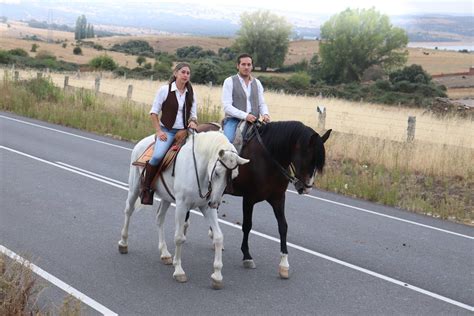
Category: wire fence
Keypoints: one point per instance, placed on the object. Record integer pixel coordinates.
(387, 122)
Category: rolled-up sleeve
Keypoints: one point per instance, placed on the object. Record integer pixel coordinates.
(194, 107)
(261, 101)
(160, 97)
(229, 109)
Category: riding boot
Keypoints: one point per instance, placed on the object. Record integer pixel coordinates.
(146, 194)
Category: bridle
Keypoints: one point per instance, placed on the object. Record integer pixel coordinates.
(293, 179)
(209, 187)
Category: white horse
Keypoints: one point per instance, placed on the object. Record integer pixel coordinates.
(203, 167)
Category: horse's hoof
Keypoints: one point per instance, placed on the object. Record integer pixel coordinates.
(217, 285)
(181, 278)
(123, 249)
(249, 264)
(284, 272)
(167, 260)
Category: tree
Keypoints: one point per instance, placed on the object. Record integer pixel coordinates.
(265, 36)
(77, 50)
(103, 62)
(354, 40)
(83, 29)
(140, 60)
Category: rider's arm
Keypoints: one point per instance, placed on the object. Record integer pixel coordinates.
(229, 109)
(263, 106)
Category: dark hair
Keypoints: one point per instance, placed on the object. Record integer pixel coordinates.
(243, 56)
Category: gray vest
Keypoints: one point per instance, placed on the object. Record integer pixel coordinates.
(239, 97)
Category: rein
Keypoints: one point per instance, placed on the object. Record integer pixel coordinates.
(288, 176)
(209, 188)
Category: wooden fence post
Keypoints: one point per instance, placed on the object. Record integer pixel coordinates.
(129, 91)
(66, 81)
(322, 117)
(411, 129)
(97, 84)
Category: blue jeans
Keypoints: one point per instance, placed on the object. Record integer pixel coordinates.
(161, 147)
(230, 125)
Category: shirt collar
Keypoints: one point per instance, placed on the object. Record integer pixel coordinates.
(174, 87)
(242, 79)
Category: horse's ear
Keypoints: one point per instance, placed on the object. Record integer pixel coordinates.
(326, 135)
(242, 161)
(221, 153)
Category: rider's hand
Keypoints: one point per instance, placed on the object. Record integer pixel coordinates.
(192, 124)
(251, 118)
(266, 118)
(161, 136)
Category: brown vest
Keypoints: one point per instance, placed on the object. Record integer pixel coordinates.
(169, 109)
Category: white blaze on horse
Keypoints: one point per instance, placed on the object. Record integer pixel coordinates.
(206, 162)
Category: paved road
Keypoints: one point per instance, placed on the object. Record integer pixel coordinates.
(62, 198)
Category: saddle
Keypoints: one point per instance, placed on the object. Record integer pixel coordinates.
(170, 156)
(244, 133)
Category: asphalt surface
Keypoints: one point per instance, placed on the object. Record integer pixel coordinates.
(62, 197)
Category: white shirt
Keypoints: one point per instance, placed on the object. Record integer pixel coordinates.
(230, 110)
(161, 96)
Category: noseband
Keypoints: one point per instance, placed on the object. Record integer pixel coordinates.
(209, 188)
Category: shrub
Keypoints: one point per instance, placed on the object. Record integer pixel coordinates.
(205, 71)
(383, 85)
(77, 50)
(18, 52)
(34, 47)
(45, 54)
(273, 82)
(135, 47)
(5, 57)
(64, 45)
(103, 62)
(299, 81)
(162, 70)
(413, 73)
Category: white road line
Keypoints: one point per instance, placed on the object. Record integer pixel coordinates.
(92, 173)
(63, 132)
(57, 282)
(306, 250)
(309, 196)
(384, 215)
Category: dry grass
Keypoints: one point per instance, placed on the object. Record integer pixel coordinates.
(461, 93)
(358, 118)
(19, 289)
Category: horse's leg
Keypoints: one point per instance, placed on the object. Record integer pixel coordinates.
(186, 222)
(179, 239)
(247, 208)
(165, 256)
(278, 205)
(129, 207)
(218, 241)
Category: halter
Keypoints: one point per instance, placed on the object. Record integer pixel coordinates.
(209, 188)
(293, 179)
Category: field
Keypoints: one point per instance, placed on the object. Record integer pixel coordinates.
(436, 62)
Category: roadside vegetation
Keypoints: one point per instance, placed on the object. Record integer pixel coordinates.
(21, 289)
(432, 179)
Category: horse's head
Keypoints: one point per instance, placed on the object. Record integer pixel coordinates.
(222, 172)
(308, 157)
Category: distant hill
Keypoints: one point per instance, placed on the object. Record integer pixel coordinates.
(222, 20)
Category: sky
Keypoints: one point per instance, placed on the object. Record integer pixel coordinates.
(393, 7)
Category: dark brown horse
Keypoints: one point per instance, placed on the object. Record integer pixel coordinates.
(277, 148)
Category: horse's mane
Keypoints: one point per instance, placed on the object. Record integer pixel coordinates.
(209, 143)
(279, 137)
